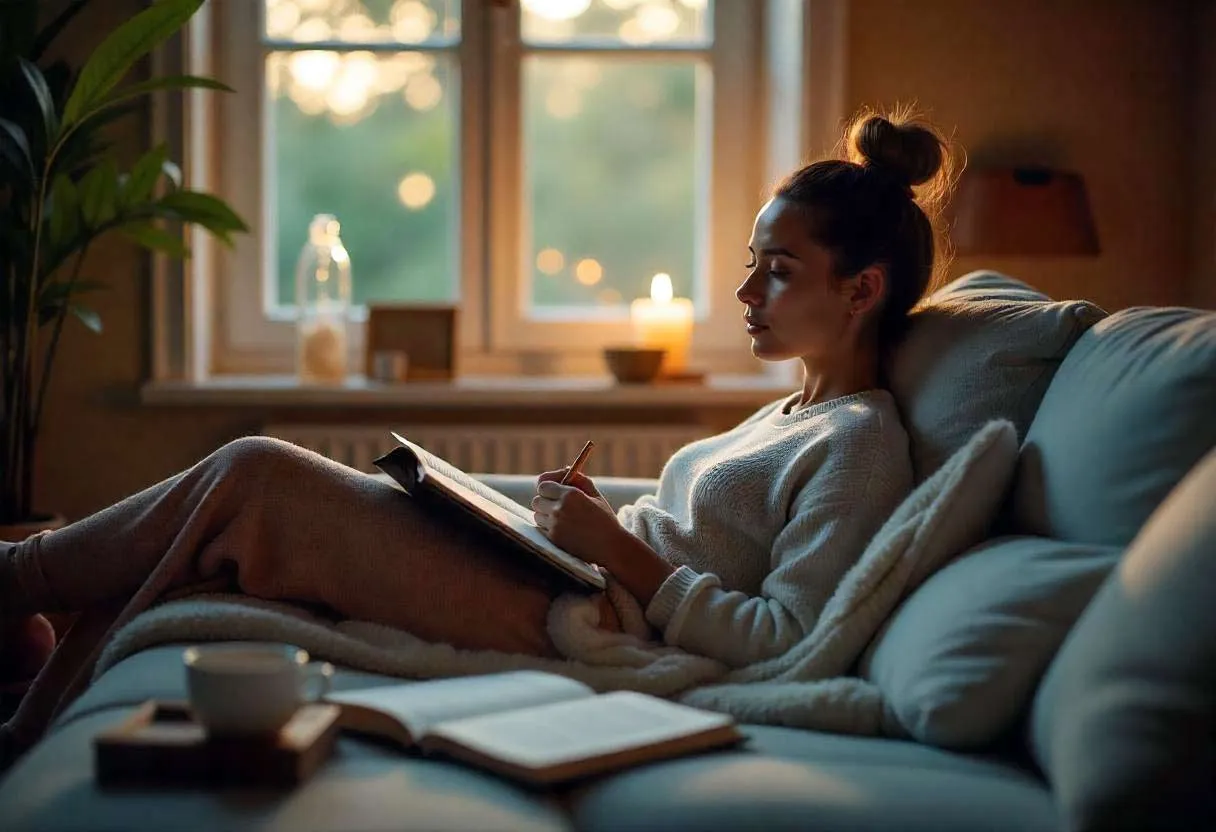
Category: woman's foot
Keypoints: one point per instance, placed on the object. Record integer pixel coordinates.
(25, 646)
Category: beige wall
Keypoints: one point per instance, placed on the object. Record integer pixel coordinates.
(1203, 127)
(1097, 86)
(1100, 86)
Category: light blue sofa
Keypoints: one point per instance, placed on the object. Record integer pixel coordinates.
(1092, 707)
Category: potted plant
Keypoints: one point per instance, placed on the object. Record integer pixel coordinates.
(61, 188)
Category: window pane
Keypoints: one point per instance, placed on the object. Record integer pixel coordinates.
(362, 21)
(370, 139)
(631, 22)
(616, 176)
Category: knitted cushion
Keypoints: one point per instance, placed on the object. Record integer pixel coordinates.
(983, 347)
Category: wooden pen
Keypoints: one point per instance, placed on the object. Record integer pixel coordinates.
(577, 466)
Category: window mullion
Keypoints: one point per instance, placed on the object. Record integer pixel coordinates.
(506, 223)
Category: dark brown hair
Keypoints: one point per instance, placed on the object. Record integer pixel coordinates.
(879, 202)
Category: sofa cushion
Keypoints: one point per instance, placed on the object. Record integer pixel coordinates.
(959, 661)
(1125, 720)
(782, 778)
(983, 347)
(1130, 411)
(366, 785)
(804, 780)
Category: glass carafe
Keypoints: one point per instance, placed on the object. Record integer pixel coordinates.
(323, 299)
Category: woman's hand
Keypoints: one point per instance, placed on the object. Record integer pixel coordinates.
(580, 481)
(578, 519)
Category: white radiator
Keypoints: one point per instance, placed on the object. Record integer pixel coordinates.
(620, 450)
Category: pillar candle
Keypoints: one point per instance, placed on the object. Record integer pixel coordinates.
(663, 322)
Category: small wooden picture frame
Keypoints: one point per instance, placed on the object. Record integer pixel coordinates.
(426, 333)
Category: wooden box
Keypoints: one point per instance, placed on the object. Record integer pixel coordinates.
(160, 744)
(425, 333)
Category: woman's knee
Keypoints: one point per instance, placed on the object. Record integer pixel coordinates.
(250, 454)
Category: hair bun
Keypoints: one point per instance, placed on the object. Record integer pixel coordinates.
(910, 152)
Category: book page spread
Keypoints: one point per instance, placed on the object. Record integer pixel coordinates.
(567, 732)
(418, 706)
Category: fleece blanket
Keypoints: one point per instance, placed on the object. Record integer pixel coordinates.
(807, 687)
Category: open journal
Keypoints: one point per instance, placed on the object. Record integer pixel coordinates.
(429, 478)
(539, 728)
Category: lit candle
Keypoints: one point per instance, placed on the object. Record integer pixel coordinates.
(663, 322)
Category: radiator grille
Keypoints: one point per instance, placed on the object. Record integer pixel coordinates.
(620, 450)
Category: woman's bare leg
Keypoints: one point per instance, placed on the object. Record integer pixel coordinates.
(285, 524)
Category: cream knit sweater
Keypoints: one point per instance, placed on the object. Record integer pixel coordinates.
(764, 520)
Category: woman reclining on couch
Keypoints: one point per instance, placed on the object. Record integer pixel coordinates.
(733, 558)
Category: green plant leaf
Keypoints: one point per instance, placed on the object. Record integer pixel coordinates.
(42, 95)
(99, 193)
(55, 294)
(87, 316)
(144, 175)
(64, 210)
(208, 211)
(52, 30)
(15, 149)
(167, 82)
(124, 46)
(157, 239)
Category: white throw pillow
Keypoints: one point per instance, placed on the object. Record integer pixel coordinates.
(959, 661)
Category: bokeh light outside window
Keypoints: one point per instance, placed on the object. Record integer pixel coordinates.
(364, 122)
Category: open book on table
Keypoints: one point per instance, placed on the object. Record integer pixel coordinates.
(429, 478)
(536, 727)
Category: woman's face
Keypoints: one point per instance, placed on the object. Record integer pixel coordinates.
(794, 308)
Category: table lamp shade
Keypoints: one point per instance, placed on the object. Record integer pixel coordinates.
(1022, 212)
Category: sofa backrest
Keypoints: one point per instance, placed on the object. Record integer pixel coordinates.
(984, 347)
(1130, 411)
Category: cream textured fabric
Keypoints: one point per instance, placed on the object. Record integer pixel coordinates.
(765, 519)
(805, 687)
(984, 347)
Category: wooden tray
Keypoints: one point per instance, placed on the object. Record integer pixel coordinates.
(160, 744)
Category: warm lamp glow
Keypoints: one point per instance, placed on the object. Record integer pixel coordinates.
(1023, 212)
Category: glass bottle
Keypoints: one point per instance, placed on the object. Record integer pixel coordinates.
(323, 298)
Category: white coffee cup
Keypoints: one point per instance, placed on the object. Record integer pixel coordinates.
(241, 688)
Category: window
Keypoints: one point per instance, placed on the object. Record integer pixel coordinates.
(534, 161)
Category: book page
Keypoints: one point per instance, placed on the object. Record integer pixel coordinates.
(553, 735)
(524, 529)
(437, 464)
(420, 705)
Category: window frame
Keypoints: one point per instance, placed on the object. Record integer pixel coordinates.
(788, 85)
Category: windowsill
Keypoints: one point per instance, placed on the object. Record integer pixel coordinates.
(226, 391)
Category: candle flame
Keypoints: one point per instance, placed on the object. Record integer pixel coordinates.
(660, 288)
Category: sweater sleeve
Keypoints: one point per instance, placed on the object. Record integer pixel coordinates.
(832, 519)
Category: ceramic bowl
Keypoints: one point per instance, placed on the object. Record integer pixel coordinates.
(634, 365)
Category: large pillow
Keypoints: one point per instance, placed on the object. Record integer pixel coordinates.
(1130, 411)
(981, 348)
(958, 663)
(1124, 724)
